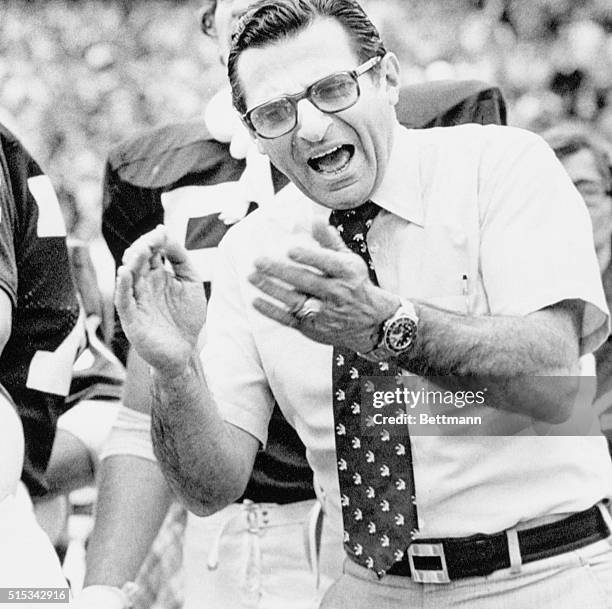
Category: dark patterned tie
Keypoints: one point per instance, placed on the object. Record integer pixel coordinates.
(375, 469)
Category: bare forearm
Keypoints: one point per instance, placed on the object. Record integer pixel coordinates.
(506, 353)
(460, 345)
(206, 461)
(133, 500)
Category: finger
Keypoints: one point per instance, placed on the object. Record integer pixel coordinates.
(298, 277)
(330, 263)
(124, 295)
(288, 296)
(177, 255)
(306, 326)
(137, 258)
(328, 237)
(154, 240)
(272, 311)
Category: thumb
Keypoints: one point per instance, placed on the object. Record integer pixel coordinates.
(124, 295)
(177, 255)
(328, 237)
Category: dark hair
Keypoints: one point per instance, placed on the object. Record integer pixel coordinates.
(567, 139)
(270, 21)
(207, 18)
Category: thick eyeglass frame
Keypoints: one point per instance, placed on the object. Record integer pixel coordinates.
(306, 94)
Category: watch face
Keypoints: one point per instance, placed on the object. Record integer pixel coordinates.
(400, 334)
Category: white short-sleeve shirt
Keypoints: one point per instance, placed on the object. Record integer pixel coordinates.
(476, 220)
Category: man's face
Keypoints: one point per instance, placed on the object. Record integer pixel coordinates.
(584, 173)
(335, 159)
(227, 13)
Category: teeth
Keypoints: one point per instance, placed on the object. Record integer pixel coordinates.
(320, 156)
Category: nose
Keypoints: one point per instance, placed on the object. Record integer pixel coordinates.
(312, 123)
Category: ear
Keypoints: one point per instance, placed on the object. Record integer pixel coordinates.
(390, 73)
(252, 135)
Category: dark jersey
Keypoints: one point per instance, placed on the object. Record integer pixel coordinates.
(36, 363)
(444, 103)
(180, 176)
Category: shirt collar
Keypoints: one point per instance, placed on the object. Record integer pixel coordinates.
(400, 190)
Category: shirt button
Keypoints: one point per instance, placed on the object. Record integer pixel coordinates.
(374, 247)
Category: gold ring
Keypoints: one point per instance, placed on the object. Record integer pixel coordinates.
(296, 308)
(310, 307)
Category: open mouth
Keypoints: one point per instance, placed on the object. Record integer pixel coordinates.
(334, 160)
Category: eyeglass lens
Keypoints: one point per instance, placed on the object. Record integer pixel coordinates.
(331, 94)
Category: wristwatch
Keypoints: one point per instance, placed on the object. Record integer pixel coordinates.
(397, 334)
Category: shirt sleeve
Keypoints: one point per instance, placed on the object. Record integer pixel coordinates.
(536, 241)
(231, 362)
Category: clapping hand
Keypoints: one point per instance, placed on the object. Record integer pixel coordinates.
(330, 281)
(162, 311)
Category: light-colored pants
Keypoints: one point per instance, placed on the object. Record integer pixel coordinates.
(27, 558)
(581, 579)
(255, 556)
(90, 421)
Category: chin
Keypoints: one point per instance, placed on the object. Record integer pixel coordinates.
(338, 203)
(341, 197)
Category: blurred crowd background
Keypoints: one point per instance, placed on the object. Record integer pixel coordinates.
(77, 77)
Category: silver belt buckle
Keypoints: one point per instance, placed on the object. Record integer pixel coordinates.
(428, 576)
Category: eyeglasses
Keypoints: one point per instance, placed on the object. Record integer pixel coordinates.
(330, 94)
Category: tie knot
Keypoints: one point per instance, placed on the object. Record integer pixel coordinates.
(356, 221)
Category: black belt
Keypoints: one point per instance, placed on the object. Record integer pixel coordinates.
(443, 560)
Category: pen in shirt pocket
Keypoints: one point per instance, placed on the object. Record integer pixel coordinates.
(466, 292)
